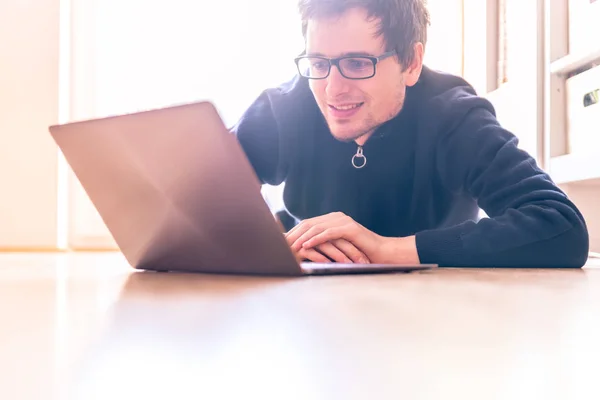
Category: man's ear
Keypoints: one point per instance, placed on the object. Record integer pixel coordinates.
(413, 72)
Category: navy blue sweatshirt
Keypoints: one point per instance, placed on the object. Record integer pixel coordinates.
(428, 172)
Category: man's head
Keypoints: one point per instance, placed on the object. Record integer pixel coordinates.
(397, 29)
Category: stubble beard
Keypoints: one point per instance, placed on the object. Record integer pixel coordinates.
(369, 124)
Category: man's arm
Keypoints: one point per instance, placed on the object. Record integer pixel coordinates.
(270, 127)
(258, 134)
(531, 221)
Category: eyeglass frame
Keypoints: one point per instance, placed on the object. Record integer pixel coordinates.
(336, 62)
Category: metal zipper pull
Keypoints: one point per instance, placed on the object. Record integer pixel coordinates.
(359, 155)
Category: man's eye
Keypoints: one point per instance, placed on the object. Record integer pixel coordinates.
(357, 63)
(319, 65)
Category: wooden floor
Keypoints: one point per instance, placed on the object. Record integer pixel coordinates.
(85, 326)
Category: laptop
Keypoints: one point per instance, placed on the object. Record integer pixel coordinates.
(177, 193)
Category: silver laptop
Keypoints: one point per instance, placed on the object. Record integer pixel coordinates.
(177, 193)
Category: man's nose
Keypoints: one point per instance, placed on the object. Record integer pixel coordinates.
(336, 83)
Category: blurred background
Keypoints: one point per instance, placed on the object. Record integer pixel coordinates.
(65, 60)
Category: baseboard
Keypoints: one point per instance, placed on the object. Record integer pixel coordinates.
(32, 250)
(56, 250)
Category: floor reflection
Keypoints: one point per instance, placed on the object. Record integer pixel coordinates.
(509, 333)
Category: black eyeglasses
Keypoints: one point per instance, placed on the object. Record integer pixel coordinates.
(351, 67)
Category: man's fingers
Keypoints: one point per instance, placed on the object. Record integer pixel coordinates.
(333, 223)
(351, 251)
(328, 235)
(314, 231)
(296, 232)
(340, 251)
(312, 255)
(299, 230)
(333, 253)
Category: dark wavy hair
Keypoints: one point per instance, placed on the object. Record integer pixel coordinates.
(402, 22)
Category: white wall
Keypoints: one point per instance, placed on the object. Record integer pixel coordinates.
(29, 82)
(445, 44)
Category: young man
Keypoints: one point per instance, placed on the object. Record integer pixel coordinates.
(386, 161)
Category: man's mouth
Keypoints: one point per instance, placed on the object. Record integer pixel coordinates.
(345, 107)
(344, 111)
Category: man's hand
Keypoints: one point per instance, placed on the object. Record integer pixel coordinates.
(314, 232)
(339, 251)
(326, 232)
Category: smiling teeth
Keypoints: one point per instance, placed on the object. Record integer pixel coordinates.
(344, 108)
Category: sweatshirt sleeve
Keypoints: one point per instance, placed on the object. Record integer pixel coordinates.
(531, 221)
(257, 132)
(270, 129)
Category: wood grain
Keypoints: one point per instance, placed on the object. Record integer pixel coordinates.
(78, 326)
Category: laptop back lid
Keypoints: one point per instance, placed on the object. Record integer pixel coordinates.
(176, 191)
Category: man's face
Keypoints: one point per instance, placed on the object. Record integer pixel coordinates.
(353, 109)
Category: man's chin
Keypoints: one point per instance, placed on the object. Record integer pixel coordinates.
(346, 135)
